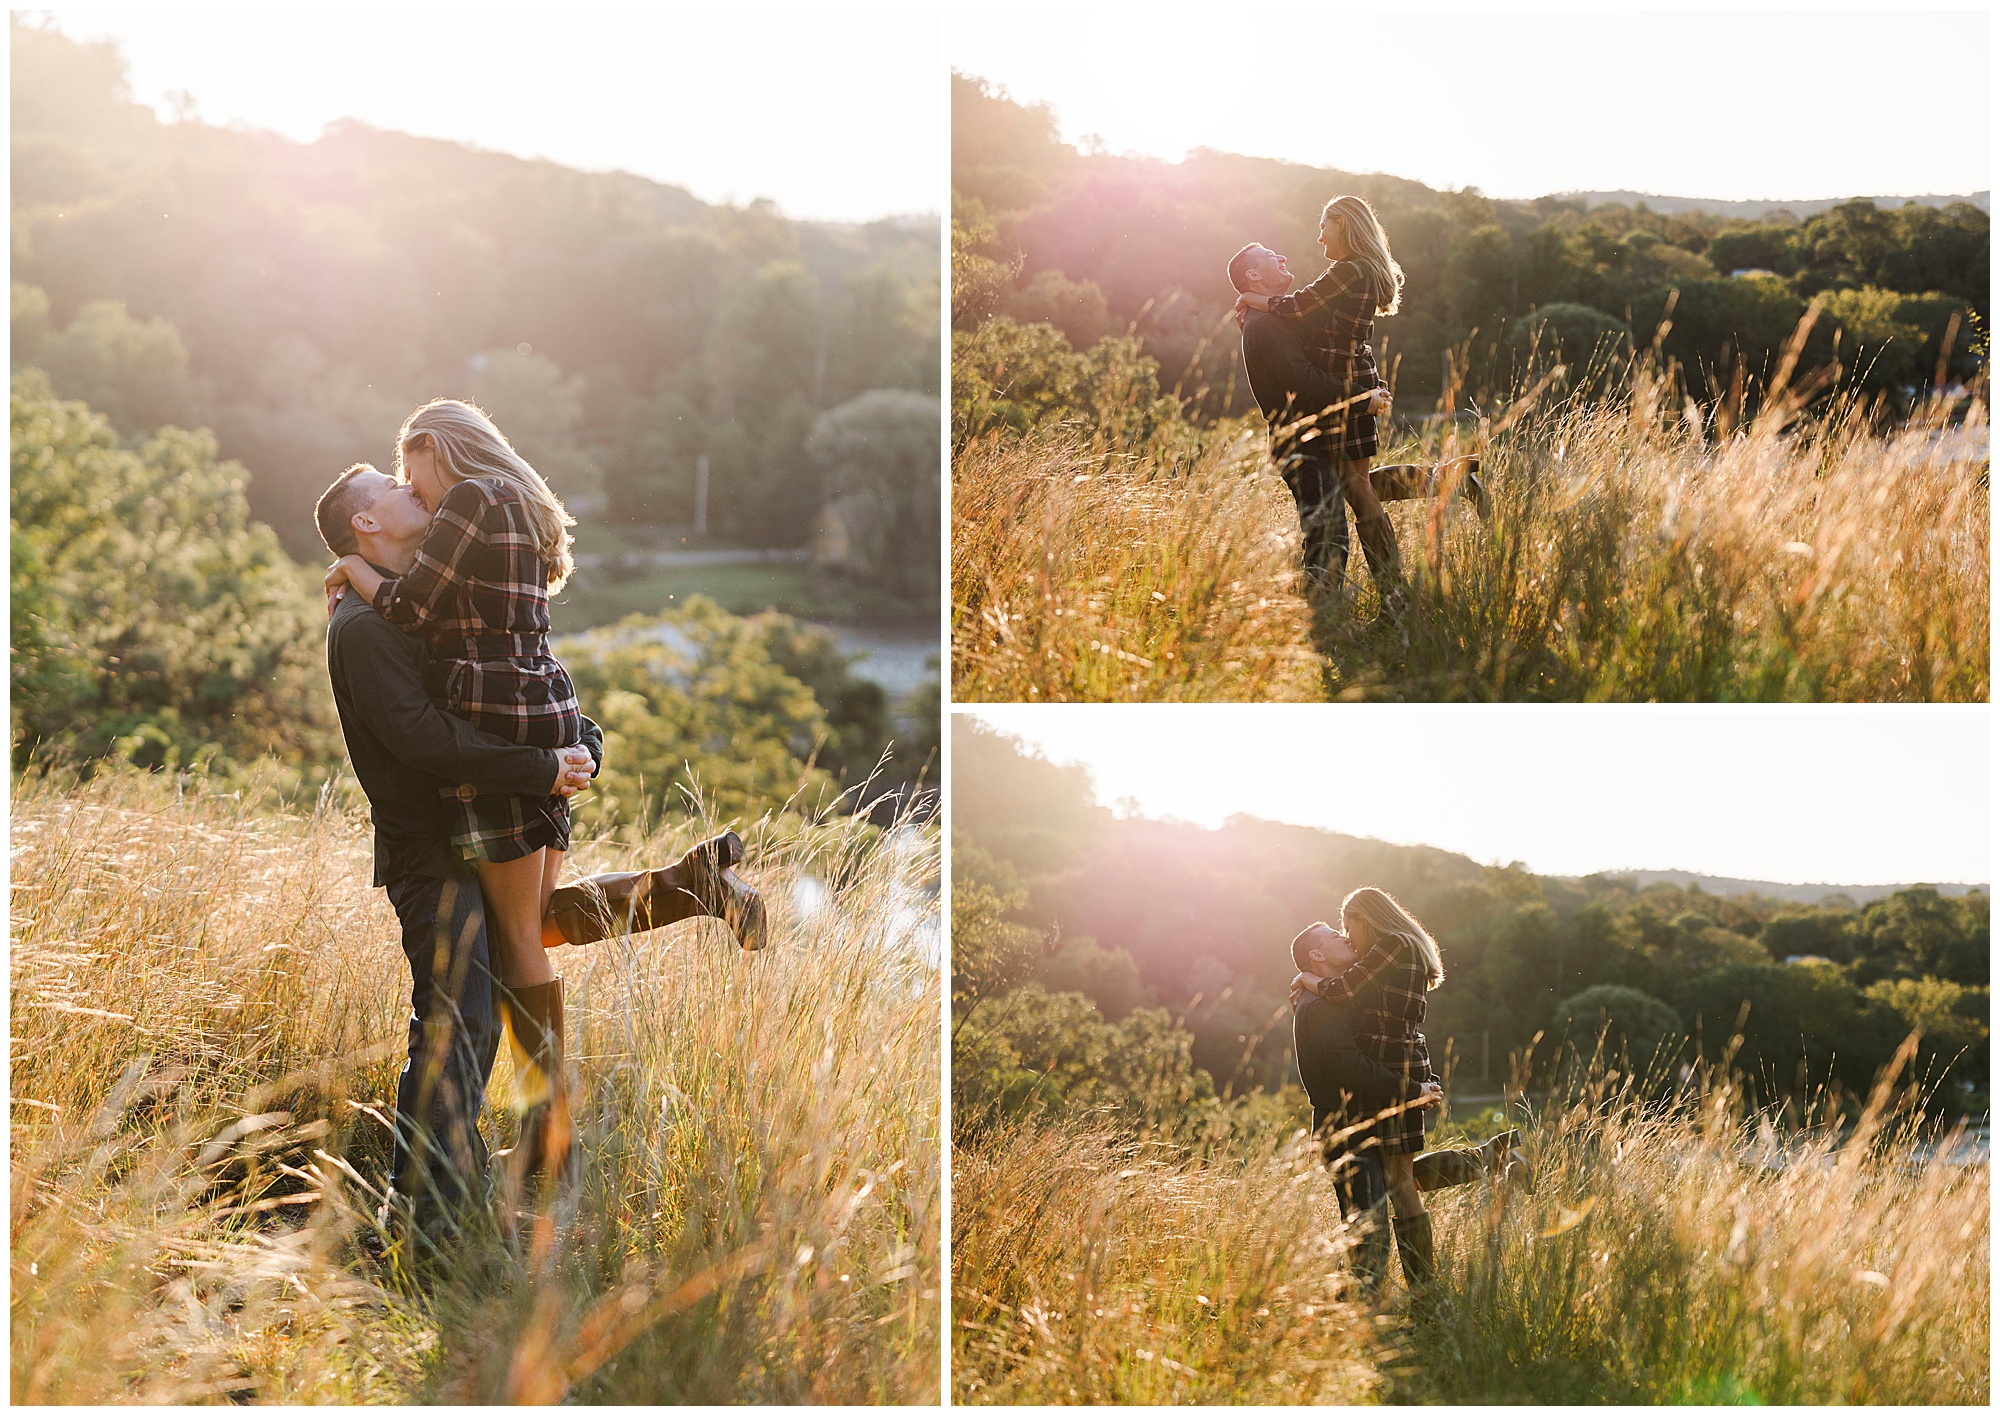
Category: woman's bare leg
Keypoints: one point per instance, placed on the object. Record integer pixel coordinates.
(1415, 1243)
(552, 864)
(1400, 1172)
(1371, 522)
(516, 899)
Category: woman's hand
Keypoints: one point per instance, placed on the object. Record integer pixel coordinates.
(1302, 983)
(337, 581)
(1431, 1095)
(341, 572)
(1246, 301)
(351, 571)
(1379, 402)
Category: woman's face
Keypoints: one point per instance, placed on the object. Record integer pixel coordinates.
(1333, 237)
(421, 468)
(1359, 935)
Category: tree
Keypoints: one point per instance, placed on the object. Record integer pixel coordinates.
(1593, 345)
(541, 413)
(1054, 1053)
(878, 457)
(1076, 307)
(133, 373)
(1637, 1031)
(153, 620)
(694, 704)
(990, 953)
(1107, 977)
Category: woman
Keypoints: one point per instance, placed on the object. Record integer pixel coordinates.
(1396, 965)
(497, 548)
(1337, 316)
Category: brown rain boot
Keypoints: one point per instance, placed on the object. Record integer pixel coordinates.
(1466, 470)
(1444, 1169)
(1385, 564)
(547, 1149)
(1414, 1242)
(701, 883)
(1401, 481)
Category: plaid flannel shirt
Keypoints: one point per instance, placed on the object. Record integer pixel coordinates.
(479, 591)
(1337, 317)
(1396, 1002)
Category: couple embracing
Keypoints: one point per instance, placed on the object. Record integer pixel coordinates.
(466, 736)
(1315, 378)
(1357, 1000)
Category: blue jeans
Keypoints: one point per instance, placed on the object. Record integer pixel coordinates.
(440, 1158)
(1315, 487)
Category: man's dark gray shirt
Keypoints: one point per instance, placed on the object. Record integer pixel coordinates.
(1340, 1079)
(405, 748)
(1287, 386)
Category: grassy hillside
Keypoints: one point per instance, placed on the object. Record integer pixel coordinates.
(1664, 1257)
(208, 1007)
(1639, 549)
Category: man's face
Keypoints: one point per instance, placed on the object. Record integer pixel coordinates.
(392, 511)
(1267, 272)
(1331, 951)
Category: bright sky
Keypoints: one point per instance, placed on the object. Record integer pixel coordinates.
(837, 115)
(1822, 795)
(1734, 104)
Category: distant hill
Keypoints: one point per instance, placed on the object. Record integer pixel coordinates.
(1673, 206)
(1774, 890)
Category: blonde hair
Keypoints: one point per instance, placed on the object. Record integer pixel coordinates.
(1368, 247)
(467, 445)
(1379, 911)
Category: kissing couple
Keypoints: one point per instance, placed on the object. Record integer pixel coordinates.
(466, 736)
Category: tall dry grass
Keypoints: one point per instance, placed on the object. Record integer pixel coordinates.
(208, 1013)
(1692, 1255)
(1640, 548)
(1081, 575)
(1086, 1268)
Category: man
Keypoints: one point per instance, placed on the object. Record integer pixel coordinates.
(405, 750)
(1349, 1090)
(1294, 395)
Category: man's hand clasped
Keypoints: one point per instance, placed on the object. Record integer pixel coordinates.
(577, 771)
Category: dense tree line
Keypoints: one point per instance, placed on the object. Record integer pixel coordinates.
(1095, 247)
(299, 299)
(1128, 917)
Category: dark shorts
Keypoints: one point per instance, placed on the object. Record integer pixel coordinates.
(1402, 1133)
(504, 828)
(1346, 436)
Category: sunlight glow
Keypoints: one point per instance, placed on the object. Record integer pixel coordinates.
(1838, 795)
(1736, 105)
(834, 115)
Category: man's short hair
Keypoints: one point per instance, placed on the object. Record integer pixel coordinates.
(1302, 945)
(335, 511)
(1239, 267)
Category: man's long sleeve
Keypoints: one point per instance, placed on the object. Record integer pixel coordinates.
(1329, 1042)
(1279, 352)
(377, 662)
